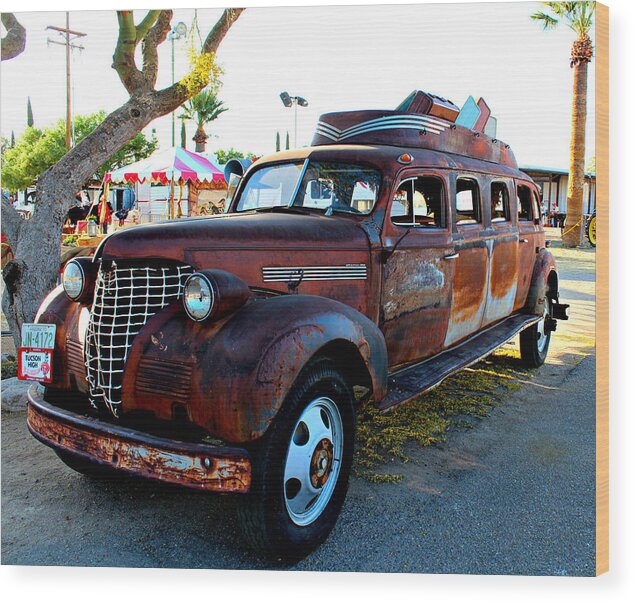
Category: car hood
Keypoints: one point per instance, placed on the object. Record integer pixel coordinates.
(187, 239)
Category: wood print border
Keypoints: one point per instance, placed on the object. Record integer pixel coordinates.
(602, 289)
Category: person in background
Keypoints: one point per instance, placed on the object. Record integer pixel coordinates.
(85, 205)
(76, 213)
(103, 217)
(121, 215)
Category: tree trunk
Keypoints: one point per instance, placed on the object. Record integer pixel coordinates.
(200, 138)
(574, 203)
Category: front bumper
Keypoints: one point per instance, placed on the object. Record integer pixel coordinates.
(194, 465)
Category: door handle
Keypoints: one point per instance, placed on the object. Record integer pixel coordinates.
(523, 239)
(452, 256)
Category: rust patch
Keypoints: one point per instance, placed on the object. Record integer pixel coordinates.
(503, 268)
(413, 280)
(191, 465)
(469, 285)
(415, 301)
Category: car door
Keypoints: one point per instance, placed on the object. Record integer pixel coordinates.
(528, 223)
(417, 276)
(470, 259)
(502, 245)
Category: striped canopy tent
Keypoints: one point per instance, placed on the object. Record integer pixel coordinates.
(173, 165)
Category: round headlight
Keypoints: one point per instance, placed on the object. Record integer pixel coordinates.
(73, 280)
(198, 297)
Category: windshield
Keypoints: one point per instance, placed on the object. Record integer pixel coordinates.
(325, 186)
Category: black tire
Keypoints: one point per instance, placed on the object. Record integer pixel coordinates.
(532, 349)
(90, 469)
(265, 513)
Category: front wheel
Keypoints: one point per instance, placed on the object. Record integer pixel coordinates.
(300, 470)
(535, 340)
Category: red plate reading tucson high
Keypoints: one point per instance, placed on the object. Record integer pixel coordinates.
(35, 357)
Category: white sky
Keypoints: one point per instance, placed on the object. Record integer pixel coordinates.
(338, 58)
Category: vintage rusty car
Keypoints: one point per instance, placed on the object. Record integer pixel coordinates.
(230, 353)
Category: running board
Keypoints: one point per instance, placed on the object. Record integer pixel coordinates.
(409, 382)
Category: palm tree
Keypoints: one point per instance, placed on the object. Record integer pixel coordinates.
(578, 17)
(203, 109)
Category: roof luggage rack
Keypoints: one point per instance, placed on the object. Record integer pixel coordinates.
(423, 121)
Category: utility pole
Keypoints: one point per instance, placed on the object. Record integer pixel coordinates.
(178, 32)
(66, 33)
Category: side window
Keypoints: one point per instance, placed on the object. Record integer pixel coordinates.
(468, 209)
(524, 203)
(420, 202)
(537, 206)
(500, 210)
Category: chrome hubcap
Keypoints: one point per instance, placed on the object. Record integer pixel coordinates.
(313, 461)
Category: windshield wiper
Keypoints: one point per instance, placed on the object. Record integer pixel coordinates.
(332, 209)
(280, 209)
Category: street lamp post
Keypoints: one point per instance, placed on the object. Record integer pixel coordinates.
(179, 31)
(290, 101)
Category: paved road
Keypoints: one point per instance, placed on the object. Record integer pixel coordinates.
(513, 495)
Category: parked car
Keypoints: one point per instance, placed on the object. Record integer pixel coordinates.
(230, 353)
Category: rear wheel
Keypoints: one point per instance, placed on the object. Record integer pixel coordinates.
(535, 340)
(301, 468)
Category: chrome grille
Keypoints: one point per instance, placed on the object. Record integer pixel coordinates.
(126, 297)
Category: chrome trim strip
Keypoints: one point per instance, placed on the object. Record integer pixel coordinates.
(302, 273)
(391, 127)
(396, 119)
(328, 126)
(347, 266)
(430, 124)
(326, 134)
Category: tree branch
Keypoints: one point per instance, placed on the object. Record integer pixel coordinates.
(15, 40)
(11, 223)
(144, 26)
(220, 29)
(123, 59)
(175, 95)
(151, 40)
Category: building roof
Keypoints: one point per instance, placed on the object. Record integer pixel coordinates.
(550, 171)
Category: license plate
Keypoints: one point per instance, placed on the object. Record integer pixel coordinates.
(38, 336)
(35, 364)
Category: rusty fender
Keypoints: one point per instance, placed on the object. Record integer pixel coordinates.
(543, 268)
(239, 370)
